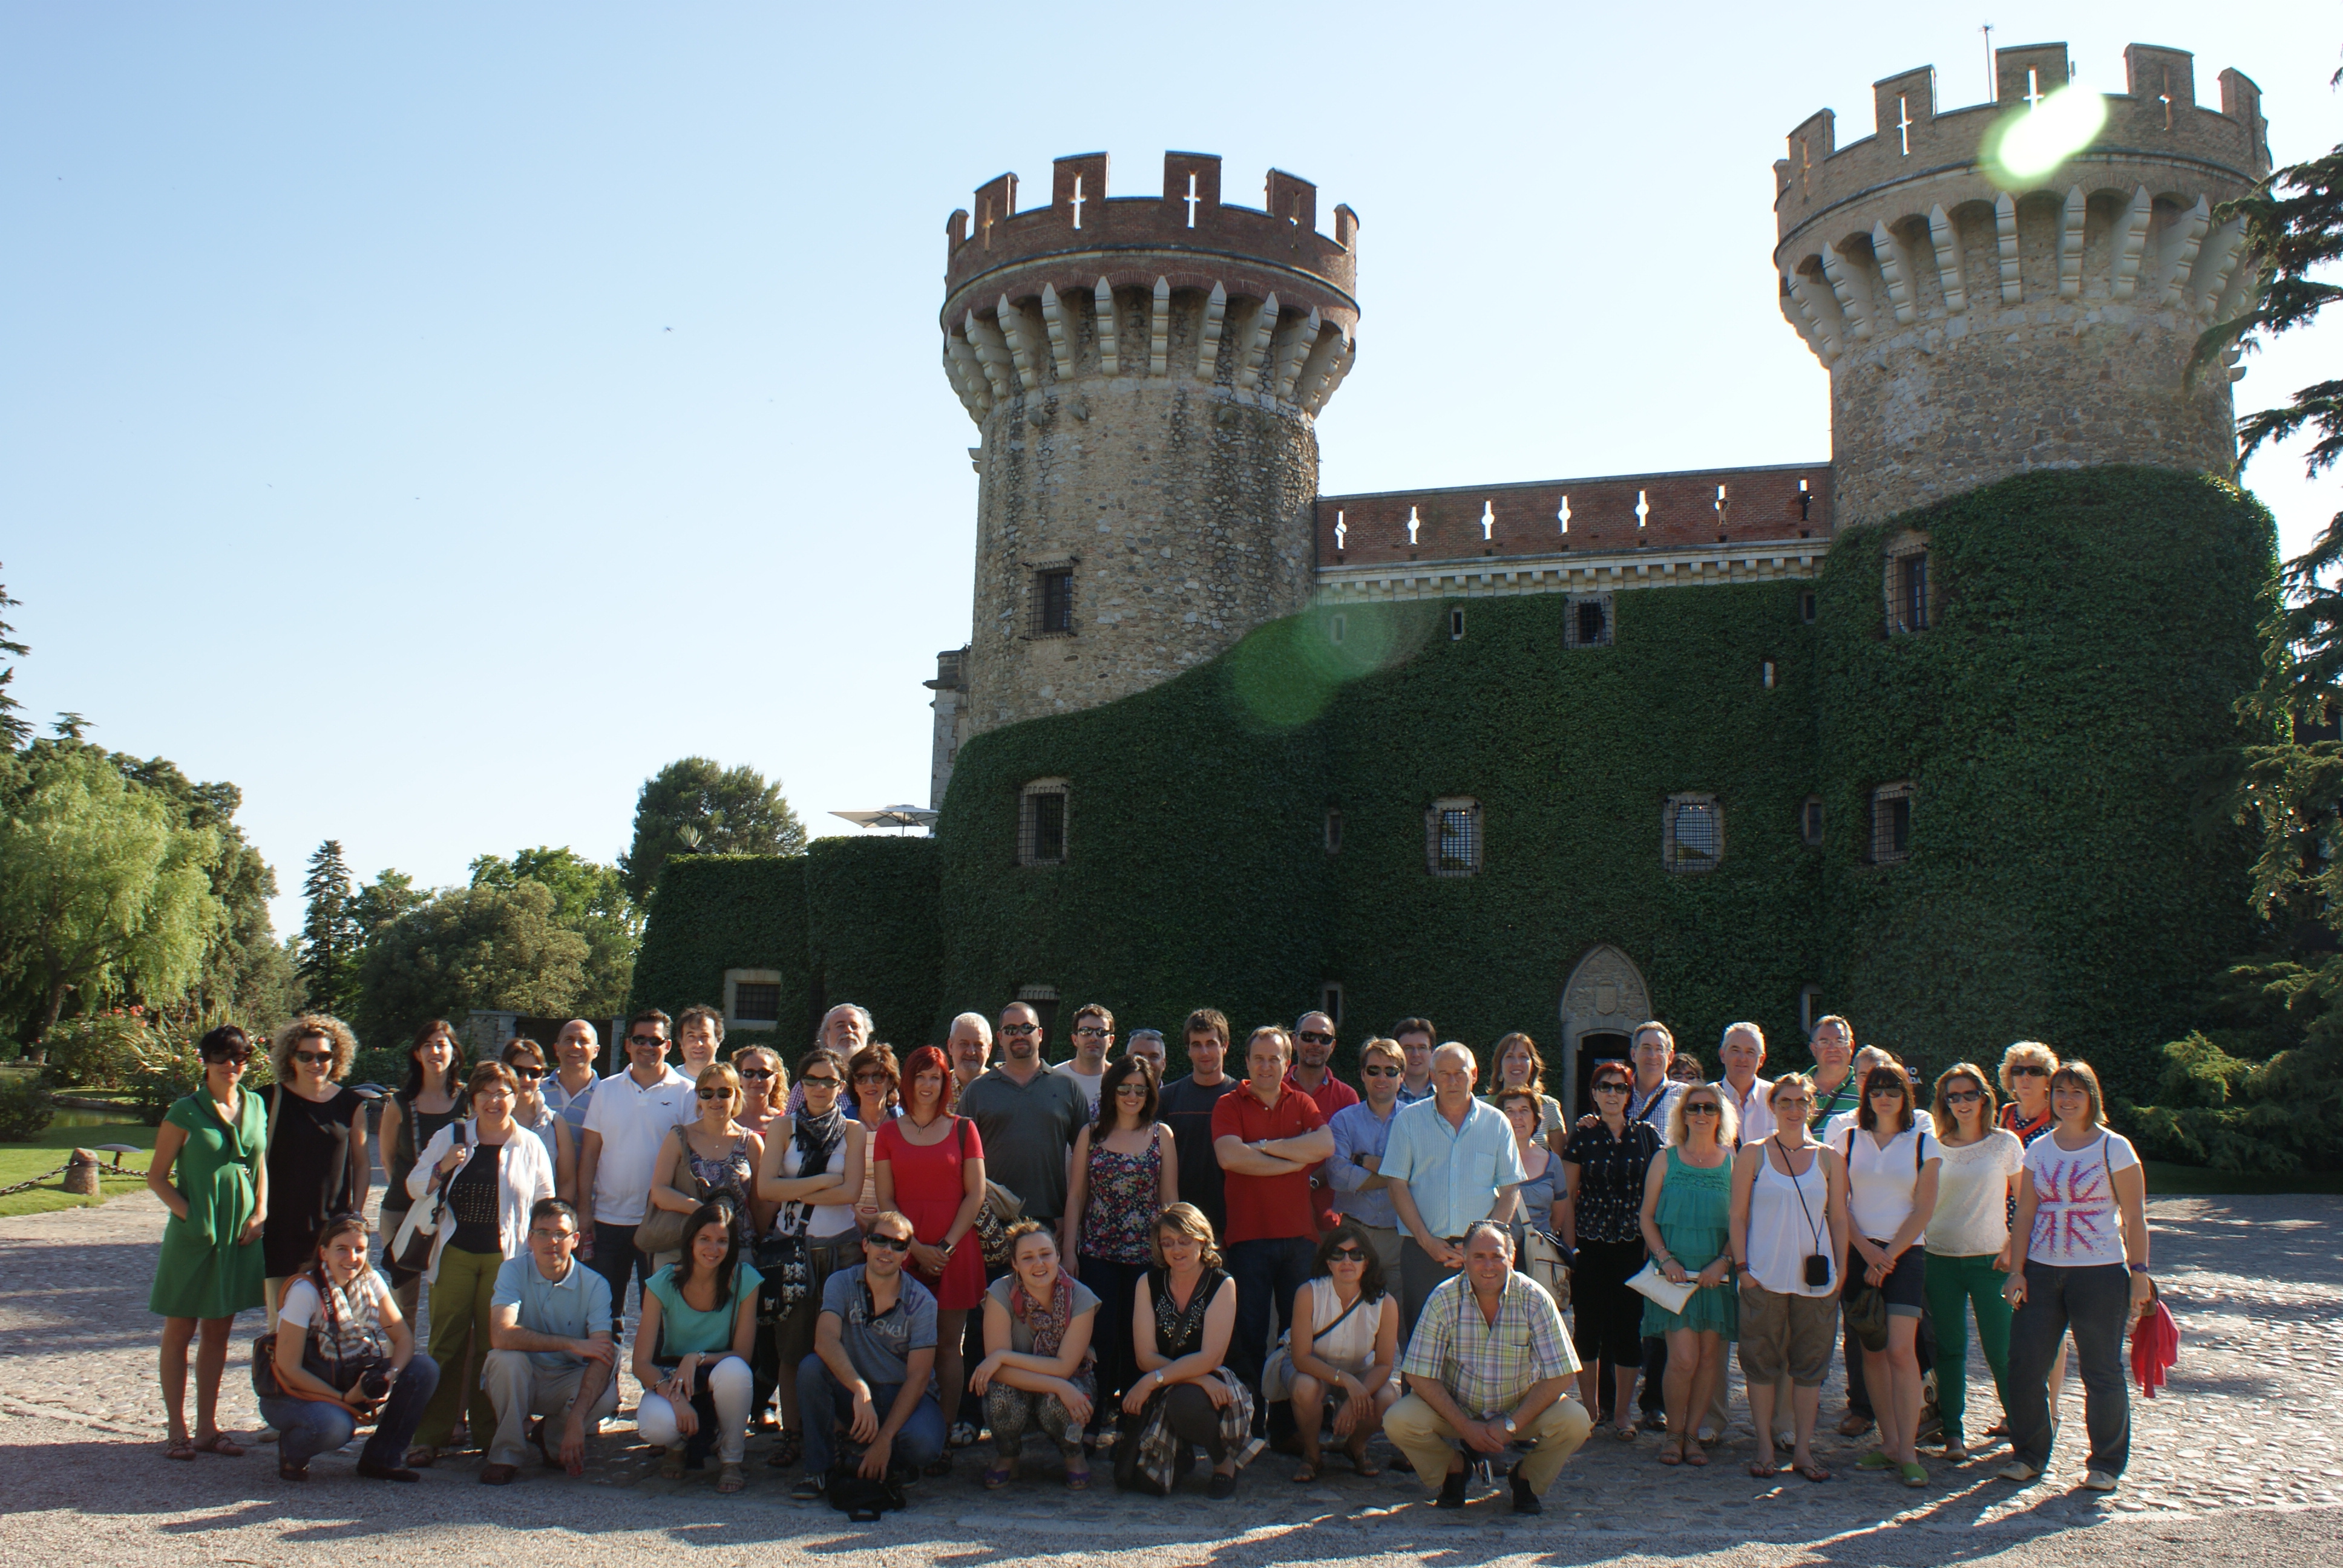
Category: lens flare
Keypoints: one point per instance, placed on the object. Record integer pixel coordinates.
(2031, 143)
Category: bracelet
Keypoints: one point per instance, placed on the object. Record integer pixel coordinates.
(2139, 1268)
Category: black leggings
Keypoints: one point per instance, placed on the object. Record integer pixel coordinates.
(1609, 1316)
(1188, 1410)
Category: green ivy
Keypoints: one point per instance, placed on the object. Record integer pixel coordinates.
(871, 933)
(710, 913)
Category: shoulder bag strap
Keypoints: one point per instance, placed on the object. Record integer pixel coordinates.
(1346, 1311)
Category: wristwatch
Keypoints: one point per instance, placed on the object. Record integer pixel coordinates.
(1508, 1423)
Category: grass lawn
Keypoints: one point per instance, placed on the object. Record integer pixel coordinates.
(22, 1161)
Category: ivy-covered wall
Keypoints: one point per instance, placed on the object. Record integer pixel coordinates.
(871, 935)
(2092, 630)
(710, 913)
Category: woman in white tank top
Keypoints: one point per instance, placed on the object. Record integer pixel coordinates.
(1343, 1346)
(1788, 1232)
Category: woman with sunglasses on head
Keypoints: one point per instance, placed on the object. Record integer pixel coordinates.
(931, 1171)
(1125, 1171)
(1892, 1168)
(1606, 1162)
(531, 1111)
(1789, 1230)
(810, 1173)
(712, 1156)
(431, 1097)
(1343, 1346)
(2082, 1219)
(692, 1351)
(213, 1141)
(1967, 1243)
(1687, 1219)
(317, 1164)
(492, 1172)
(337, 1318)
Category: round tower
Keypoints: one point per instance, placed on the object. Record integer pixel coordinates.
(1146, 373)
(1974, 327)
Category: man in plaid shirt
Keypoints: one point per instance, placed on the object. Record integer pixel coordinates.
(1489, 1364)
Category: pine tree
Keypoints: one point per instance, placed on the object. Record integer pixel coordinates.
(330, 936)
(13, 730)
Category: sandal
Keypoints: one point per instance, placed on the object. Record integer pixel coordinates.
(1957, 1452)
(420, 1457)
(1078, 1474)
(936, 1468)
(1000, 1474)
(963, 1435)
(182, 1447)
(1914, 1474)
(1673, 1454)
(1306, 1474)
(1360, 1462)
(219, 1442)
(787, 1452)
(671, 1464)
(1875, 1459)
(1694, 1456)
(1814, 1472)
(1626, 1431)
(1763, 1470)
(728, 1478)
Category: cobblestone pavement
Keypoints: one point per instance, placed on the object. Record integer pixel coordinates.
(2248, 1422)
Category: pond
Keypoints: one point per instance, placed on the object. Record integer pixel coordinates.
(78, 1115)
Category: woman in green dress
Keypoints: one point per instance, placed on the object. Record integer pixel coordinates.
(1687, 1214)
(211, 1266)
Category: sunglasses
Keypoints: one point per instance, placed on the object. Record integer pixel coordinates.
(755, 1074)
(891, 1243)
(1703, 1108)
(1136, 1091)
(870, 1078)
(644, 1040)
(528, 1074)
(1963, 1096)
(238, 1057)
(824, 1081)
(715, 1094)
(1610, 1086)
(314, 1057)
(1090, 1031)
(2029, 1070)
(1379, 1071)
(1346, 1255)
(1021, 1029)
(1312, 1037)
(1888, 1092)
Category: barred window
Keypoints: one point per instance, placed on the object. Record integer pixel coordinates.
(752, 999)
(1692, 833)
(1891, 823)
(1042, 824)
(1586, 622)
(1452, 838)
(1054, 602)
(1911, 601)
(1810, 819)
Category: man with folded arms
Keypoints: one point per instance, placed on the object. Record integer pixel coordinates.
(1267, 1135)
(552, 1351)
(1489, 1365)
(1451, 1160)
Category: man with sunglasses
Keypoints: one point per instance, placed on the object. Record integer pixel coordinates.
(626, 1124)
(872, 1366)
(1093, 1036)
(1026, 1116)
(1313, 1075)
(1362, 1130)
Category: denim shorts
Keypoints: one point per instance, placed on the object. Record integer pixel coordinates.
(1906, 1286)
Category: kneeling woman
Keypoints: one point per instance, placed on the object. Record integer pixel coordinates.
(1037, 1368)
(339, 1342)
(1343, 1346)
(692, 1347)
(1181, 1324)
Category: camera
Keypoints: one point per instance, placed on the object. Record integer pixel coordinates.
(1817, 1271)
(374, 1384)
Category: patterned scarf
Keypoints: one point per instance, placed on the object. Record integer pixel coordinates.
(816, 1138)
(1048, 1324)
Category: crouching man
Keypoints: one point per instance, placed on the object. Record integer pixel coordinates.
(1489, 1364)
(551, 1352)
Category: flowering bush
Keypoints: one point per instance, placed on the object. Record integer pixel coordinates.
(98, 1050)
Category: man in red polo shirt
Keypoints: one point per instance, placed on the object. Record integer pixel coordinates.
(1267, 1135)
(1313, 1075)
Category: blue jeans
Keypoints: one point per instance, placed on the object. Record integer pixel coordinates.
(1268, 1270)
(308, 1427)
(2096, 1303)
(825, 1404)
(615, 1260)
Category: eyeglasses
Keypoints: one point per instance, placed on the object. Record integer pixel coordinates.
(528, 1074)
(1021, 1029)
(314, 1057)
(1792, 1100)
(1346, 1255)
(1963, 1096)
(1610, 1086)
(644, 1040)
(870, 1078)
(2029, 1070)
(1312, 1037)
(1379, 1072)
(1703, 1108)
(715, 1094)
(824, 1081)
(891, 1244)
(755, 1074)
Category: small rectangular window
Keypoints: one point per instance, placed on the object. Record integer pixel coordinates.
(1042, 824)
(1891, 824)
(1694, 836)
(1329, 1000)
(1913, 589)
(756, 1003)
(1452, 837)
(1456, 624)
(1811, 820)
(1334, 831)
(1053, 599)
(1586, 623)
(1806, 605)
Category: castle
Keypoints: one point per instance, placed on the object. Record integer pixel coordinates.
(1219, 738)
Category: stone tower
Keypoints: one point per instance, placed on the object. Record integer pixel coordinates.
(1974, 331)
(1146, 373)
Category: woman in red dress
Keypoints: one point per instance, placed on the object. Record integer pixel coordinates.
(931, 1171)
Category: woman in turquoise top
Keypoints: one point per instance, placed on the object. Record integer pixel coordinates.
(692, 1347)
(211, 1265)
(1687, 1211)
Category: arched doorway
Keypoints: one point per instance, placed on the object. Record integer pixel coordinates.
(1602, 1001)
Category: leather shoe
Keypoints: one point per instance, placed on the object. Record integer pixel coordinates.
(1452, 1491)
(1526, 1501)
(499, 1475)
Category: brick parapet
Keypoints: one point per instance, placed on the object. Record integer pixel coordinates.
(1680, 510)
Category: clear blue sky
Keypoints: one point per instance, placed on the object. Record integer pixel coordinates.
(433, 418)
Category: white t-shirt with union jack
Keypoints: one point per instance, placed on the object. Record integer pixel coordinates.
(2075, 1222)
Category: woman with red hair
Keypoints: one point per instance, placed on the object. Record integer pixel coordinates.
(931, 1171)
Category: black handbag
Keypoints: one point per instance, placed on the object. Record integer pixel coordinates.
(862, 1498)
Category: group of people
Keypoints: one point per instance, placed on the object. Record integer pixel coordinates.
(889, 1259)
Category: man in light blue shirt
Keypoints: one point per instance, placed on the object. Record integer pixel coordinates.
(553, 1352)
(1450, 1161)
(1361, 1132)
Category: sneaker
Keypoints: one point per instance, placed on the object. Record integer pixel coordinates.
(1526, 1501)
(266, 1434)
(2018, 1470)
(1452, 1491)
(2099, 1480)
(810, 1488)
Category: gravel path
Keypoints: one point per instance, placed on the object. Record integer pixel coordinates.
(2238, 1462)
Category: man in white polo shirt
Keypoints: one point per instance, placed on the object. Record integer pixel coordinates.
(625, 1125)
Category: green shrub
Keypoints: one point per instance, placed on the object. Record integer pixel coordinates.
(100, 1050)
(2280, 1116)
(25, 1108)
